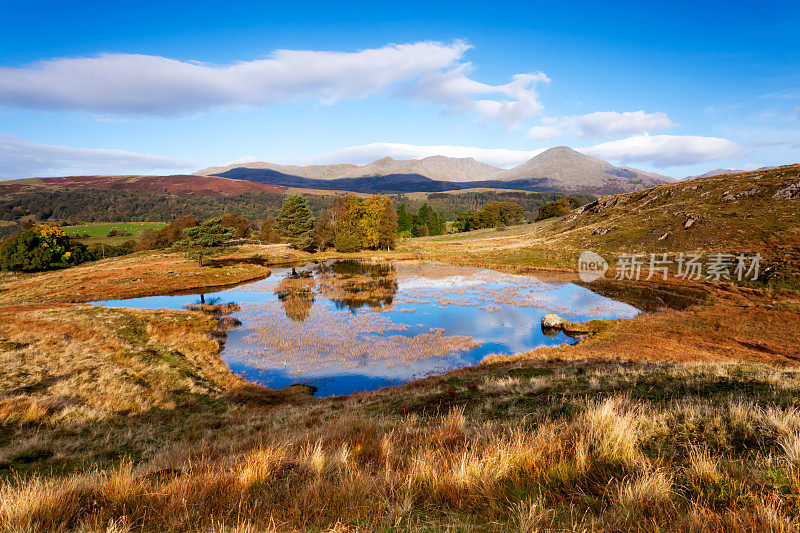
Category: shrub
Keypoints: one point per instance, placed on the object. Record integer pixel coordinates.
(558, 208)
(40, 248)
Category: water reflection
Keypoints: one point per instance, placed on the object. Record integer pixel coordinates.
(355, 284)
(346, 325)
(296, 293)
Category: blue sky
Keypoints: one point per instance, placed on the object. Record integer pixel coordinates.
(679, 88)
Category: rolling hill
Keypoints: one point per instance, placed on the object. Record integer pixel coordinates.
(180, 185)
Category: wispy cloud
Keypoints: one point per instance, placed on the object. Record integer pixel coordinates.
(453, 89)
(22, 158)
(665, 150)
(601, 124)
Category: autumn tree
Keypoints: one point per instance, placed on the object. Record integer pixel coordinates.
(378, 223)
(349, 212)
(502, 214)
(295, 222)
(267, 231)
(558, 208)
(241, 226)
(324, 234)
(166, 236)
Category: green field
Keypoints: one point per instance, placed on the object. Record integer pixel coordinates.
(98, 233)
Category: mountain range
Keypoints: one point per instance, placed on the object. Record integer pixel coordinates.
(559, 169)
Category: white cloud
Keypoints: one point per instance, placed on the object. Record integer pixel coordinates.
(21, 158)
(145, 85)
(601, 124)
(665, 150)
(134, 84)
(515, 101)
(360, 155)
(609, 123)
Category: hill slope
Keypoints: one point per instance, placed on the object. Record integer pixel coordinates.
(188, 184)
(747, 212)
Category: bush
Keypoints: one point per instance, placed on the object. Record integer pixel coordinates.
(166, 236)
(40, 248)
(558, 208)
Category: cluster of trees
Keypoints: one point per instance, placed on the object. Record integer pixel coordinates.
(349, 224)
(426, 221)
(559, 208)
(174, 232)
(450, 205)
(491, 215)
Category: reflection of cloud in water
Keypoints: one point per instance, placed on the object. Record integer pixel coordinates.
(387, 324)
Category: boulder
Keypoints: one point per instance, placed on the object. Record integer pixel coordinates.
(553, 321)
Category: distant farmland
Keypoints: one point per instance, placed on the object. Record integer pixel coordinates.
(98, 233)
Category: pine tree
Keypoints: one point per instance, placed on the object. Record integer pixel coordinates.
(404, 220)
(295, 223)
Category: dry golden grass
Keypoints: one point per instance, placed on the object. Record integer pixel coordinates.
(612, 464)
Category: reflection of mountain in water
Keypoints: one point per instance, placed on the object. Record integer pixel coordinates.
(354, 284)
(296, 293)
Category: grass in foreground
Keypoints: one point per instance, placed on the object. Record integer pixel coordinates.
(577, 447)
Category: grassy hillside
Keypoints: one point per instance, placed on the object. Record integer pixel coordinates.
(748, 212)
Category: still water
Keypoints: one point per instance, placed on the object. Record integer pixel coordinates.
(346, 326)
